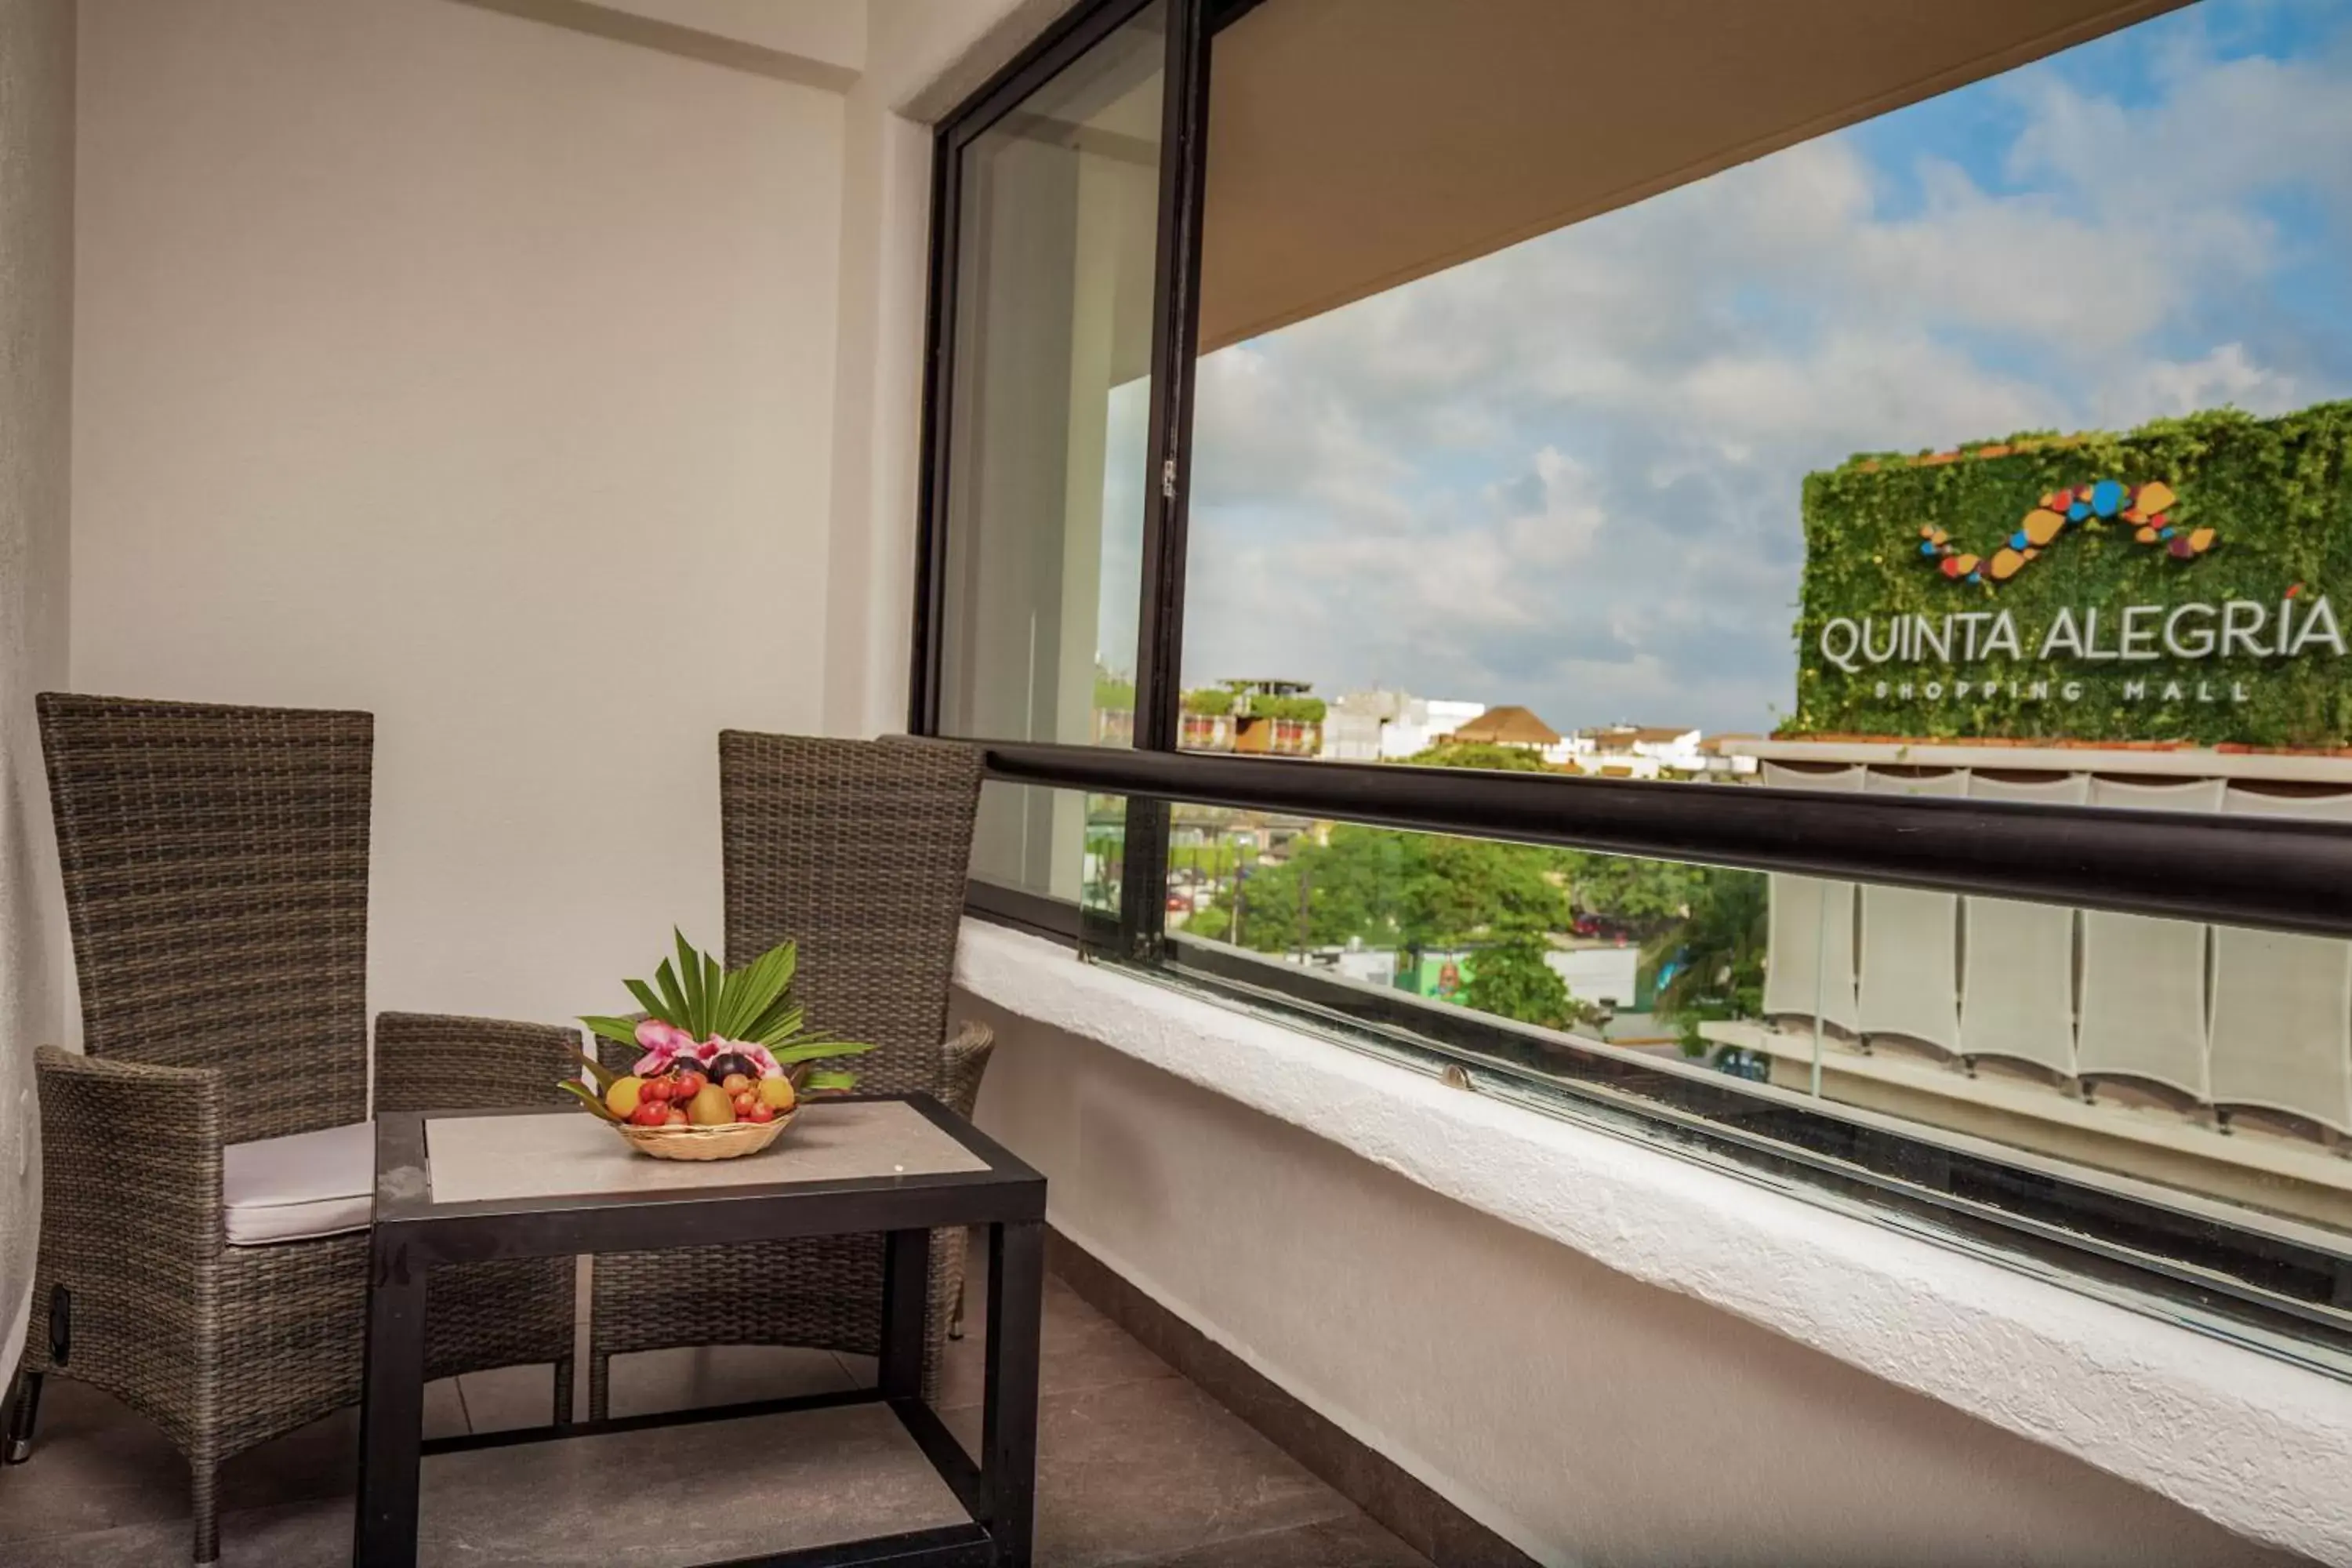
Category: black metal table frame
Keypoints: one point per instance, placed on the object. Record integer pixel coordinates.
(412, 1233)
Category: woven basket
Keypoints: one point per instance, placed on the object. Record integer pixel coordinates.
(725, 1142)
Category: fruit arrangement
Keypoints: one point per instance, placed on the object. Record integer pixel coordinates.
(720, 1049)
(686, 1091)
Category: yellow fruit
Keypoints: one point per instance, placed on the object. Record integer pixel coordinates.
(623, 1099)
(776, 1093)
(711, 1107)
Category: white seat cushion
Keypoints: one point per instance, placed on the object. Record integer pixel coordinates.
(302, 1186)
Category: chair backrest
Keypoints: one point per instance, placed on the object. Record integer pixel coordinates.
(857, 851)
(215, 865)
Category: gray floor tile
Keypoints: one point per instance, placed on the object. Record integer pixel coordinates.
(97, 1465)
(709, 1491)
(1351, 1543)
(507, 1397)
(313, 1535)
(699, 1493)
(1138, 1470)
(652, 1380)
(1079, 1349)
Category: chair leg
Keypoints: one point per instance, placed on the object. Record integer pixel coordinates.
(955, 1318)
(24, 1411)
(599, 1386)
(204, 1487)
(564, 1392)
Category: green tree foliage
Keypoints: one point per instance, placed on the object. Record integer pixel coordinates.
(1717, 954)
(1460, 889)
(1642, 897)
(1419, 892)
(1480, 754)
(1301, 709)
(1113, 692)
(1511, 980)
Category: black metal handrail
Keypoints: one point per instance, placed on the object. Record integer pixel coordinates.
(2282, 873)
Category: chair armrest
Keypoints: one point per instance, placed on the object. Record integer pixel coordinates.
(435, 1061)
(130, 1157)
(963, 1059)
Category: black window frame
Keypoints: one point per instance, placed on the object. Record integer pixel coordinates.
(2289, 1283)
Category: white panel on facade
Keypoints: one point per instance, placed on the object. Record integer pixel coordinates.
(1909, 960)
(2016, 969)
(2144, 979)
(2282, 1003)
(1809, 963)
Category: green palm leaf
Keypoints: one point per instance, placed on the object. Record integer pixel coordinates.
(673, 998)
(621, 1031)
(689, 969)
(654, 1005)
(694, 992)
(754, 990)
(818, 1050)
(777, 1025)
(575, 1087)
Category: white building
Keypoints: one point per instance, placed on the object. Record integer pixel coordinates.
(1634, 751)
(1607, 975)
(1387, 726)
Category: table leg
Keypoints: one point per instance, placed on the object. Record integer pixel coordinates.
(906, 1292)
(1008, 1438)
(392, 1408)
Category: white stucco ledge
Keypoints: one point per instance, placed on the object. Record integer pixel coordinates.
(2260, 1445)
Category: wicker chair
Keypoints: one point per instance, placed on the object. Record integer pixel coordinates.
(215, 866)
(857, 851)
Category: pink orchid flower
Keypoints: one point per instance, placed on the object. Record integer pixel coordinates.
(664, 1043)
(714, 1048)
(758, 1055)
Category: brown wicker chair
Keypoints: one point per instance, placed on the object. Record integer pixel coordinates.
(857, 851)
(215, 866)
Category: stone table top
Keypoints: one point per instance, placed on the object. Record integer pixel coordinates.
(571, 1154)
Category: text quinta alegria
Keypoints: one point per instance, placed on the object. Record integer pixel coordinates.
(2291, 629)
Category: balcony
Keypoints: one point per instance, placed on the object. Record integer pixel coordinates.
(546, 379)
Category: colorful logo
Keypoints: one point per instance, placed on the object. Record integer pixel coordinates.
(2147, 508)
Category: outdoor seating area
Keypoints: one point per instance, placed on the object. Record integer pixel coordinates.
(232, 1291)
(1175, 783)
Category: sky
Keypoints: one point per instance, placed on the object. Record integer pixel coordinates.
(1567, 474)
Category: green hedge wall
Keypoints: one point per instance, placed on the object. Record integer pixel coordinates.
(2278, 492)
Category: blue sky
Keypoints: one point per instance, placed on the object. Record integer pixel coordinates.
(1566, 475)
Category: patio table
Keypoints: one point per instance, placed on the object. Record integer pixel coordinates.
(460, 1186)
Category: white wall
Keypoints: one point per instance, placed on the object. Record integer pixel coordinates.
(37, 100)
(479, 373)
(1588, 1417)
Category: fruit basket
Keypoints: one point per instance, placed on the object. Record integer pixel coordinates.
(705, 1143)
(726, 1065)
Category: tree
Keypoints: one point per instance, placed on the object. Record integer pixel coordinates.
(1645, 896)
(1481, 754)
(1714, 958)
(1356, 883)
(1511, 980)
(1459, 889)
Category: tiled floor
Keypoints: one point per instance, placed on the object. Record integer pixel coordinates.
(1136, 1467)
